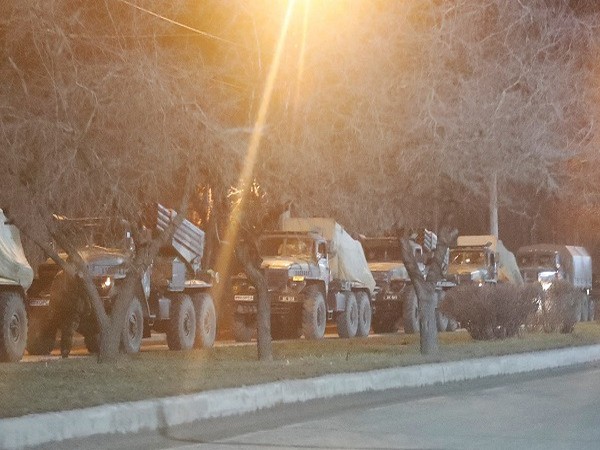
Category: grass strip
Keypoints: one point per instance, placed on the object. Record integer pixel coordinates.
(57, 384)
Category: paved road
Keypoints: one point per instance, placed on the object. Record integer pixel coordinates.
(554, 409)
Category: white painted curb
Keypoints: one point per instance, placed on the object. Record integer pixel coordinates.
(36, 429)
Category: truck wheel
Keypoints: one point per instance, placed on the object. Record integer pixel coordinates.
(244, 329)
(13, 327)
(40, 340)
(347, 320)
(441, 321)
(206, 320)
(410, 312)
(181, 331)
(592, 310)
(133, 329)
(364, 314)
(314, 314)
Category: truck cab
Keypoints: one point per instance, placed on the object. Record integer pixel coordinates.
(392, 280)
(545, 263)
(473, 264)
(291, 262)
(315, 272)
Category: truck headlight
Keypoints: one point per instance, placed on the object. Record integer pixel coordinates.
(105, 286)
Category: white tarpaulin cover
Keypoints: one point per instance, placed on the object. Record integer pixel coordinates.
(14, 268)
(347, 259)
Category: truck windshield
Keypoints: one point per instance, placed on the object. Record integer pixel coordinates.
(382, 254)
(286, 246)
(538, 260)
(100, 232)
(466, 257)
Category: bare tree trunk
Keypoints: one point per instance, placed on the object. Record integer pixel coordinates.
(263, 319)
(425, 288)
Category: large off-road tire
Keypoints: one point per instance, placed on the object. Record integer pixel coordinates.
(244, 328)
(410, 312)
(133, 328)
(40, 340)
(383, 325)
(592, 310)
(206, 320)
(13, 327)
(181, 331)
(314, 314)
(364, 313)
(347, 320)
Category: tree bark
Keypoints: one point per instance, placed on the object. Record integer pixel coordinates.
(263, 318)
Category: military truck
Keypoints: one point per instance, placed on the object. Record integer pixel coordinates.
(480, 260)
(16, 276)
(394, 298)
(315, 272)
(172, 296)
(546, 263)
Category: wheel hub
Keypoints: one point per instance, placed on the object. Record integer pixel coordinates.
(133, 326)
(14, 327)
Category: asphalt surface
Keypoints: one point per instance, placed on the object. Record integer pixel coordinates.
(552, 409)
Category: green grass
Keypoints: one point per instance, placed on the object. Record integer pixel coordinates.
(79, 382)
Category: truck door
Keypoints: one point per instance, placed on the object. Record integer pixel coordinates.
(324, 271)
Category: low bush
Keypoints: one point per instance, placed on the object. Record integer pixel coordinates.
(491, 311)
(559, 308)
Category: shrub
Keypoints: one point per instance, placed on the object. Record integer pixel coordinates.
(559, 308)
(491, 311)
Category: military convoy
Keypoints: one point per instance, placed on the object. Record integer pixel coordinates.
(315, 273)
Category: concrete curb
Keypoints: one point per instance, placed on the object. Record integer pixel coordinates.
(36, 429)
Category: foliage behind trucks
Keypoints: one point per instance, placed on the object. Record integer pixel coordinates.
(546, 263)
(172, 296)
(315, 272)
(482, 259)
(16, 276)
